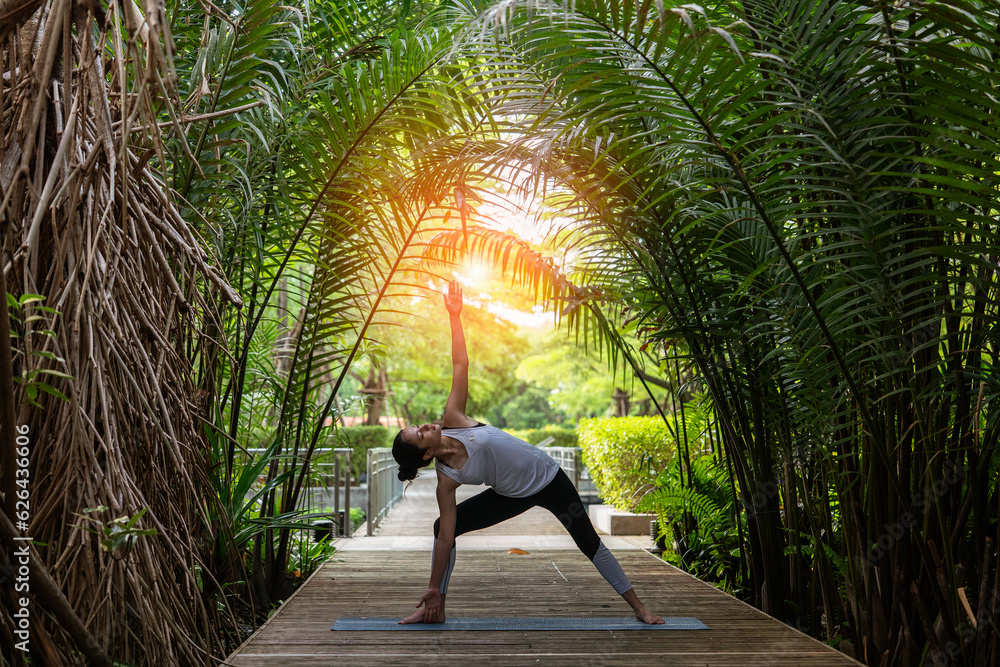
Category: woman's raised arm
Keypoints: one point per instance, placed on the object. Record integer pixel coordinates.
(454, 409)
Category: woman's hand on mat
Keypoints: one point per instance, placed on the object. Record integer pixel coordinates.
(432, 612)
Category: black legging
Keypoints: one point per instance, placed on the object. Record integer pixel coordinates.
(560, 497)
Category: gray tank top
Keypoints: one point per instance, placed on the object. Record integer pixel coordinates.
(513, 467)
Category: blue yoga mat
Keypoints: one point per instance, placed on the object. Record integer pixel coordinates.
(536, 623)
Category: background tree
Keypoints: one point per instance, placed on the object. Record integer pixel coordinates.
(578, 384)
(417, 346)
(527, 408)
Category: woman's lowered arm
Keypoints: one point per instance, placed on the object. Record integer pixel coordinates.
(432, 600)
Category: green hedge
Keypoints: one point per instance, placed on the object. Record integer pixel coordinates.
(624, 455)
(361, 439)
(565, 437)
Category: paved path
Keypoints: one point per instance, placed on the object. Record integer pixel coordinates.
(384, 575)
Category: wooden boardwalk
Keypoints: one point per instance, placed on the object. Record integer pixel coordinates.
(385, 576)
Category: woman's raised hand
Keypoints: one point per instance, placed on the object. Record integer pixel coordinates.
(453, 299)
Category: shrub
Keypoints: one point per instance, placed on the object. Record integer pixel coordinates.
(564, 437)
(360, 439)
(624, 455)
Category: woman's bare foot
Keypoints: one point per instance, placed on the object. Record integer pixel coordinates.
(646, 616)
(641, 613)
(418, 617)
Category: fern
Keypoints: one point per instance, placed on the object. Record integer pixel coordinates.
(671, 504)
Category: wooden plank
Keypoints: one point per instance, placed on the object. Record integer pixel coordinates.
(587, 659)
(491, 582)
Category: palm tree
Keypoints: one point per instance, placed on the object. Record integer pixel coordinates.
(806, 199)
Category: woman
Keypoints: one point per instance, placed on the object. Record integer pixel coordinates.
(520, 476)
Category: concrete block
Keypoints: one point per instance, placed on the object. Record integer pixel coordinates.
(615, 522)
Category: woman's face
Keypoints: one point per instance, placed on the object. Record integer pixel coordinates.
(425, 436)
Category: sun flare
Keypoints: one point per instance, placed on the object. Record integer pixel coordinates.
(475, 274)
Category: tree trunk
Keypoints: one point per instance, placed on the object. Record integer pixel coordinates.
(620, 402)
(376, 391)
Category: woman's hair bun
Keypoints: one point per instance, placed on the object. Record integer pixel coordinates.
(406, 474)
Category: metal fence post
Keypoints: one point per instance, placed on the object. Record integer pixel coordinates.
(384, 487)
(336, 492)
(373, 489)
(347, 496)
(338, 454)
(577, 466)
